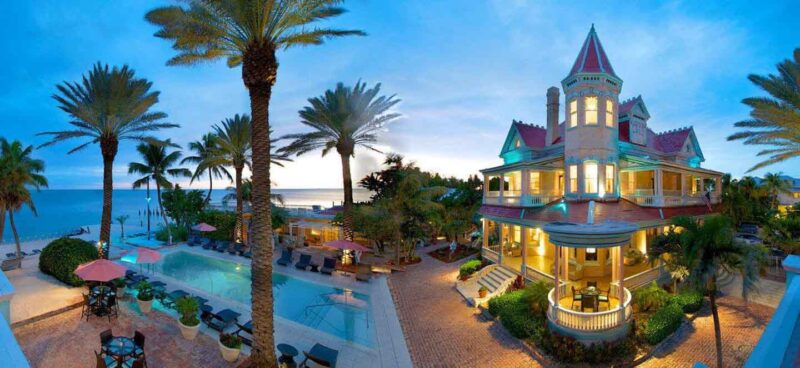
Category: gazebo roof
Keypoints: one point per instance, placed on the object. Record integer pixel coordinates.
(599, 235)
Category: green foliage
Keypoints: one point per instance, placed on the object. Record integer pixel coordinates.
(505, 301)
(62, 256)
(743, 200)
(145, 291)
(535, 296)
(662, 323)
(179, 233)
(187, 307)
(119, 282)
(635, 255)
(468, 268)
(225, 222)
(519, 321)
(651, 297)
(689, 300)
(183, 206)
(568, 350)
(784, 232)
(230, 341)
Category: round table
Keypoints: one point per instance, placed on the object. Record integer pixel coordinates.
(288, 353)
(120, 347)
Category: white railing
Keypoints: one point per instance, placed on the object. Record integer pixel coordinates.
(490, 255)
(541, 199)
(642, 200)
(643, 278)
(668, 200)
(582, 321)
(672, 193)
(643, 192)
(534, 274)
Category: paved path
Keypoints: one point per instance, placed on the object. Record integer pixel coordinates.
(441, 330)
(741, 324)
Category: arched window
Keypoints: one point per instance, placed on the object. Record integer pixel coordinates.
(590, 177)
(609, 113)
(573, 113)
(590, 105)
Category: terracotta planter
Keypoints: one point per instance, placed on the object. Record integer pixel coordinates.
(145, 306)
(482, 293)
(188, 332)
(230, 355)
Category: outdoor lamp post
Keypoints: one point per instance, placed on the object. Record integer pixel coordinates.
(147, 199)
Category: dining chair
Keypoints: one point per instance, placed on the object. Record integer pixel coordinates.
(138, 352)
(101, 361)
(87, 308)
(591, 283)
(105, 337)
(576, 297)
(603, 296)
(111, 307)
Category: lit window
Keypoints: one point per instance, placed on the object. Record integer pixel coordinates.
(590, 177)
(535, 182)
(591, 110)
(609, 178)
(609, 113)
(591, 254)
(517, 143)
(573, 113)
(573, 178)
(796, 195)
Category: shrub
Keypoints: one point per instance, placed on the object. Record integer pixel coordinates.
(535, 296)
(225, 222)
(519, 321)
(663, 323)
(568, 350)
(179, 233)
(187, 307)
(502, 302)
(62, 256)
(145, 291)
(690, 300)
(468, 268)
(650, 297)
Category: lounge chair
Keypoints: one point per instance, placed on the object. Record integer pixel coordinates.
(209, 245)
(246, 330)
(286, 258)
(363, 272)
(201, 242)
(212, 321)
(328, 266)
(303, 263)
(222, 246)
(322, 355)
(11, 264)
(236, 249)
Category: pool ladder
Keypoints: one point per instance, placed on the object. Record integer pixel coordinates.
(318, 317)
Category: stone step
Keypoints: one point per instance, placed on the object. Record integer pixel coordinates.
(506, 272)
(488, 285)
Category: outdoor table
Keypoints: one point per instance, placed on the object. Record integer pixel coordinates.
(314, 267)
(288, 353)
(120, 347)
(102, 290)
(227, 316)
(589, 298)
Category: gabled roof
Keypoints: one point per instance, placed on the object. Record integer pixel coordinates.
(627, 106)
(532, 136)
(592, 58)
(669, 142)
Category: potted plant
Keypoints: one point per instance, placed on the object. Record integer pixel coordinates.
(483, 291)
(632, 257)
(188, 322)
(120, 284)
(229, 346)
(145, 296)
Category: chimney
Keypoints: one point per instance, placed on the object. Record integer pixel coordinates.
(552, 115)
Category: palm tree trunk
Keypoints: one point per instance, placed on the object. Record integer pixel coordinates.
(239, 228)
(210, 186)
(163, 215)
(14, 231)
(717, 331)
(2, 221)
(258, 72)
(108, 148)
(348, 196)
(148, 209)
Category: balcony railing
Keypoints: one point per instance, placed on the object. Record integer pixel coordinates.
(583, 321)
(534, 274)
(649, 200)
(643, 278)
(515, 199)
(491, 255)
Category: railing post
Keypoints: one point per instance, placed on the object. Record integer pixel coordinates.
(524, 245)
(557, 286)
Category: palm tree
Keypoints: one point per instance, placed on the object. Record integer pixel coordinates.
(775, 185)
(121, 220)
(156, 166)
(775, 120)
(234, 149)
(710, 253)
(18, 171)
(247, 194)
(106, 107)
(204, 150)
(343, 119)
(249, 33)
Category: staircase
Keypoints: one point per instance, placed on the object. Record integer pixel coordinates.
(494, 278)
(497, 280)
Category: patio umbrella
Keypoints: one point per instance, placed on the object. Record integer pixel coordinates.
(203, 227)
(101, 270)
(348, 245)
(142, 256)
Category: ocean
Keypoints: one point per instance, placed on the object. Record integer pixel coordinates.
(61, 211)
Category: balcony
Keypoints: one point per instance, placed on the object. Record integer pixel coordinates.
(516, 198)
(646, 198)
(562, 314)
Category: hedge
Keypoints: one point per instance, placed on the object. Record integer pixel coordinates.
(502, 302)
(225, 222)
(690, 301)
(663, 323)
(468, 268)
(62, 256)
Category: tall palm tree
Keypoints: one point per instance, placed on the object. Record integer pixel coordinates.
(775, 185)
(106, 107)
(249, 33)
(204, 150)
(775, 120)
(710, 253)
(156, 165)
(18, 172)
(247, 194)
(234, 149)
(343, 119)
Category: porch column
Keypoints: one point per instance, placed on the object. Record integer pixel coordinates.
(524, 244)
(621, 271)
(565, 266)
(683, 188)
(502, 240)
(502, 189)
(614, 253)
(556, 294)
(526, 183)
(485, 234)
(485, 187)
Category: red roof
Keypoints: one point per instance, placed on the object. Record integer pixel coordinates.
(626, 106)
(667, 142)
(533, 136)
(592, 58)
(500, 211)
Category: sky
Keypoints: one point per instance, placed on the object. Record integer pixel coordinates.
(463, 70)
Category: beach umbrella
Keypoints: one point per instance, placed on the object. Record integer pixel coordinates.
(203, 227)
(101, 270)
(142, 256)
(348, 245)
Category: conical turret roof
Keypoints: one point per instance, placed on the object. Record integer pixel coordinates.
(592, 58)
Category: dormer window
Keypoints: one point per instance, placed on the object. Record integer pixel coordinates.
(517, 143)
(573, 113)
(590, 105)
(609, 113)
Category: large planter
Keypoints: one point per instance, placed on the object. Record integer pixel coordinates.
(189, 332)
(145, 306)
(230, 355)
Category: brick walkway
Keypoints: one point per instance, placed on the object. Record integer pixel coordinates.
(66, 341)
(441, 330)
(741, 324)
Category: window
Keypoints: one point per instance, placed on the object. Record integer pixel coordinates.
(609, 113)
(609, 178)
(796, 195)
(573, 178)
(573, 113)
(590, 177)
(591, 110)
(517, 143)
(535, 188)
(591, 254)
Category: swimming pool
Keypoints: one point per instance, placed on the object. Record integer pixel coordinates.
(342, 313)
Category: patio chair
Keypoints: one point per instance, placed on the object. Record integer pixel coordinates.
(88, 306)
(103, 361)
(245, 332)
(603, 297)
(212, 321)
(110, 305)
(576, 297)
(105, 337)
(302, 264)
(209, 245)
(222, 246)
(321, 355)
(138, 352)
(363, 272)
(11, 264)
(328, 266)
(286, 258)
(236, 249)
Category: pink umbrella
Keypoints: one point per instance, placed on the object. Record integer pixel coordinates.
(204, 227)
(345, 244)
(146, 255)
(100, 270)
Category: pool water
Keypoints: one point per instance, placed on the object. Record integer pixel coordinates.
(335, 311)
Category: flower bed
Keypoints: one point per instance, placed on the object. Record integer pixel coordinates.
(461, 252)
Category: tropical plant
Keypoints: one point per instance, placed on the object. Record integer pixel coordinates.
(775, 120)
(234, 149)
(536, 296)
(743, 200)
(651, 297)
(187, 307)
(18, 172)
(246, 189)
(775, 185)
(204, 153)
(62, 256)
(157, 163)
(106, 107)
(783, 232)
(249, 33)
(145, 291)
(343, 118)
(183, 206)
(121, 221)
